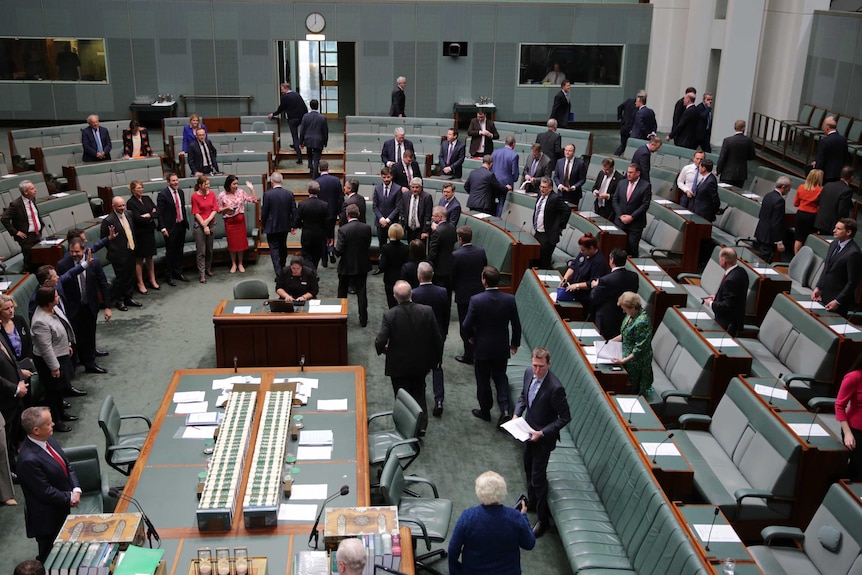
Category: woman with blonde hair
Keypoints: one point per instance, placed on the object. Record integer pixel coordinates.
(807, 202)
(636, 337)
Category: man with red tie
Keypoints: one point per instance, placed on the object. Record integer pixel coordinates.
(21, 219)
(49, 483)
(631, 202)
(171, 208)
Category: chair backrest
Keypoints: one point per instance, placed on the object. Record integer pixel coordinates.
(800, 266)
(250, 289)
(392, 481)
(805, 113)
(842, 512)
(85, 462)
(406, 414)
(258, 127)
(109, 420)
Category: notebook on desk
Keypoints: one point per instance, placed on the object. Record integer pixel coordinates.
(280, 306)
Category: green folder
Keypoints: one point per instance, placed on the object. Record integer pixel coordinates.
(139, 560)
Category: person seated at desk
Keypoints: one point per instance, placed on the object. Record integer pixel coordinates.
(296, 282)
(136, 142)
(590, 265)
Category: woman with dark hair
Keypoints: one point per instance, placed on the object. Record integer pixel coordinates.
(848, 412)
(189, 131)
(143, 212)
(297, 282)
(231, 203)
(393, 255)
(52, 348)
(636, 336)
(415, 254)
(583, 269)
(136, 142)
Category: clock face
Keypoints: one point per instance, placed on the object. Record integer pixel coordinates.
(315, 22)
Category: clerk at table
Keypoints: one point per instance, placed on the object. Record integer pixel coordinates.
(296, 282)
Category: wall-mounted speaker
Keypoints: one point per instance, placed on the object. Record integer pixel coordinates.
(454, 49)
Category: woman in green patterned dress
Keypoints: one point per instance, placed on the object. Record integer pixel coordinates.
(636, 336)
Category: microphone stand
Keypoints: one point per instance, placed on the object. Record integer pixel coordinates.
(315, 533)
(151, 529)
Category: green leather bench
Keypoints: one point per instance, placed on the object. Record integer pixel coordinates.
(51, 159)
(9, 186)
(246, 163)
(496, 242)
(738, 221)
(90, 176)
(710, 280)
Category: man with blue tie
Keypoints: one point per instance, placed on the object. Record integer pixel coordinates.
(96, 141)
(451, 203)
(544, 407)
(384, 203)
(452, 152)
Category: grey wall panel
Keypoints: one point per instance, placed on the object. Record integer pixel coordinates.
(425, 85)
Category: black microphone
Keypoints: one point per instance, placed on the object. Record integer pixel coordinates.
(631, 410)
(234, 364)
(151, 529)
(697, 313)
(302, 362)
(666, 439)
(811, 428)
(709, 535)
(345, 489)
(772, 389)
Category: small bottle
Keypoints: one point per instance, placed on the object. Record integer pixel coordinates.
(729, 566)
(288, 484)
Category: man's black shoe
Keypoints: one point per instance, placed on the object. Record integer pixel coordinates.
(504, 418)
(102, 353)
(481, 414)
(377, 272)
(438, 409)
(539, 529)
(121, 306)
(75, 392)
(62, 428)
(171, 282)
(133, 303)
(183, 278)
(68, 417)
(66, 404)
(94, 368)
(462, 359)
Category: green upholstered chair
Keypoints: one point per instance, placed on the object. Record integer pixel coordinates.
(93, 481)
(121, 449)
(428, 517)
(403, 438)
(250, 289)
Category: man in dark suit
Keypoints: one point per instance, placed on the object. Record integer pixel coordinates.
(606, 290)
(536, 167)
(680, 106)
(770, 229)
(441, 247)
(22, 220)
(482, 132)
(120, 253)
(545, 409)
(704, 125)
(202, 156)
(468, 261)
(562, 107)
(171, 209)
(314, 136)
(399, 100)
(703, 199)
(82, 301)
(631, 201)
(405, 170)
(836, 201)
(626, 119)
(451, 203)
(831, 151)
(685, 133)
(410, 338)
(293, 106)
(643, 156)
(415, 212)
(311, 217)
(354, 240)
(489, 316)
(551, 141)
(842, 270)
(569, 175)
(277, 217)
(504, 164)
(96, 141)
(645, 124)
(393, 150)
(332, 193)
(452, 153)
(437, 298)
(384, 203)
(483, 188)
(352, 197)
(604, 188)
(549, 220)
(728, 303)
(47, 478)
(736, 151)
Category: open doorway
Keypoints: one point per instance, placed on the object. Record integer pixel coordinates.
(323, 70)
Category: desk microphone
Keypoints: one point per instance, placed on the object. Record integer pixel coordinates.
(151, 530)
(631, 410)
(665, 440)
(302, 362)
(772, 389)
(234, 364)
(697, 313)
(709, 535)
(345, 489)
(811, 428)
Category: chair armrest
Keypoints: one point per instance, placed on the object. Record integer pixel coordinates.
(379, 414)
(818, 403)
(111, 448)
(749, 241)
(751, 328)
(422, 528)
(108, 502)
(685, 276)
(695, 419)
(773, 532)
(137, 416)
(408, 441)
(414, 479)
(781, 266)
(664, 251)
(674, 393)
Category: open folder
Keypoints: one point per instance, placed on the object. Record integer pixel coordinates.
(518, 428)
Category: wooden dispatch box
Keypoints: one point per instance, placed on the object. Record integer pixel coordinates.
(342, 522)
(123, 528)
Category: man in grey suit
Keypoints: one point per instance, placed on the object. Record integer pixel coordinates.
(551, 141)
(277, 217)
(314, 136)
(354, 240)
(842, 270)
(537, 166)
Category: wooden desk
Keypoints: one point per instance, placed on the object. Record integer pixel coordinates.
(43, 254)
(673, 472)
(637, 416)
(668, 292)
(609, 236)
(262, 338)
(702, 516)
(613, 378)
(164, 478)
(772, 282)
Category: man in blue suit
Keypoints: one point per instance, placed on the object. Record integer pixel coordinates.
(384, 203)
(435, 297)
(47, 478)
(468, 261)
(506, 167)
(483, 188)
(645, 124)
(277, 217)
(544, 406)
(314, 136)
(452, 152)
(96, 141)
(631, 201)
(451, 203)
(487, 324)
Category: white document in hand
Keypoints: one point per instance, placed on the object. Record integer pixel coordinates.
(518, 428)
(607, 351)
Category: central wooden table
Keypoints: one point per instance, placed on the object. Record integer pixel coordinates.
(164, 479)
